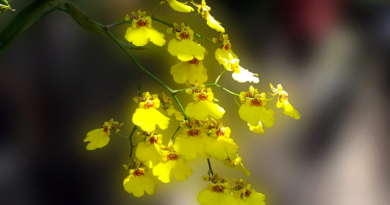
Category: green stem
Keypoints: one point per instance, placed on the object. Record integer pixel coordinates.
(161, 21)
(154, 10)
(175, 132)
(116, 24)
(137, 63)
(210, 169)
(131, 145)
(271, 98)
(235, 100)
(139, 85)
(219, 76)
(122, 136)
(192, 19)
(180, 106)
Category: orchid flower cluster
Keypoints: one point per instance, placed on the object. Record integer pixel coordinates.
(201, 132)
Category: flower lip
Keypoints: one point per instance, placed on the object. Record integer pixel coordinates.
(184, 35)
(218, 188)
(193, 132)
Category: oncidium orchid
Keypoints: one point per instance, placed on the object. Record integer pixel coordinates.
(200, 132)
(141, 31)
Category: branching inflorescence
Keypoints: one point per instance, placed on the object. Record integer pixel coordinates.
(201, 132)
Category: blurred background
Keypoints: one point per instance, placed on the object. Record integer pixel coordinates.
(59, 81)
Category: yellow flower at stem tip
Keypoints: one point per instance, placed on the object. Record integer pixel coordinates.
(138, 182)
(250, 197)
(219, 145)
(189, 71)
(99, 138)
(178, 6)
(203, 105)
(141, 31)
(191, 142)
(230, 61)
(147, 116)
(175, 166)
(216, 194)
(183, 45)
(284, 103)
(236, 164)
(167, 105)
(253, 111)
(204, 10)
(151, 152)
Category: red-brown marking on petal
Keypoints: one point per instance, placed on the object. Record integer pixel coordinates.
(149, 105)
(153, 139)
(217, 188)
(142, 23)
(139, 172)
(193, 133)
(184, 35)
(256, 102)
(203, 97)
(194, 61)
(172, 157)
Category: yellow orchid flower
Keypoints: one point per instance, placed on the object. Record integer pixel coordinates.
(190, 71)
(216, 194)
(219, 145)
(138, 182)
(190, 143)
(178, 6)
(204, 10)
(147, 116)
(183, 45)
(226, 57)
(203, 105)
(283, 102)
(250, 197)
(142, 31)
(99, 138)
(151, 152)
(168, 106)
(236, 164)
(175, 166)
(252, 109)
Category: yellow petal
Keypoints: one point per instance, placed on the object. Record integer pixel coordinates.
(151, 154)
(214, 24)
(207, 197)
(186, 71)
(290, 111)
(221, 148)
(186, 50)
(137, 185)
(202, 109)
(97, 139)
(180, 7)
(256, 129)
(147, 119)
(255, 198)
(245, 76)
(190, 146)
(253, 115)
(177, 168)
(142, 35)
